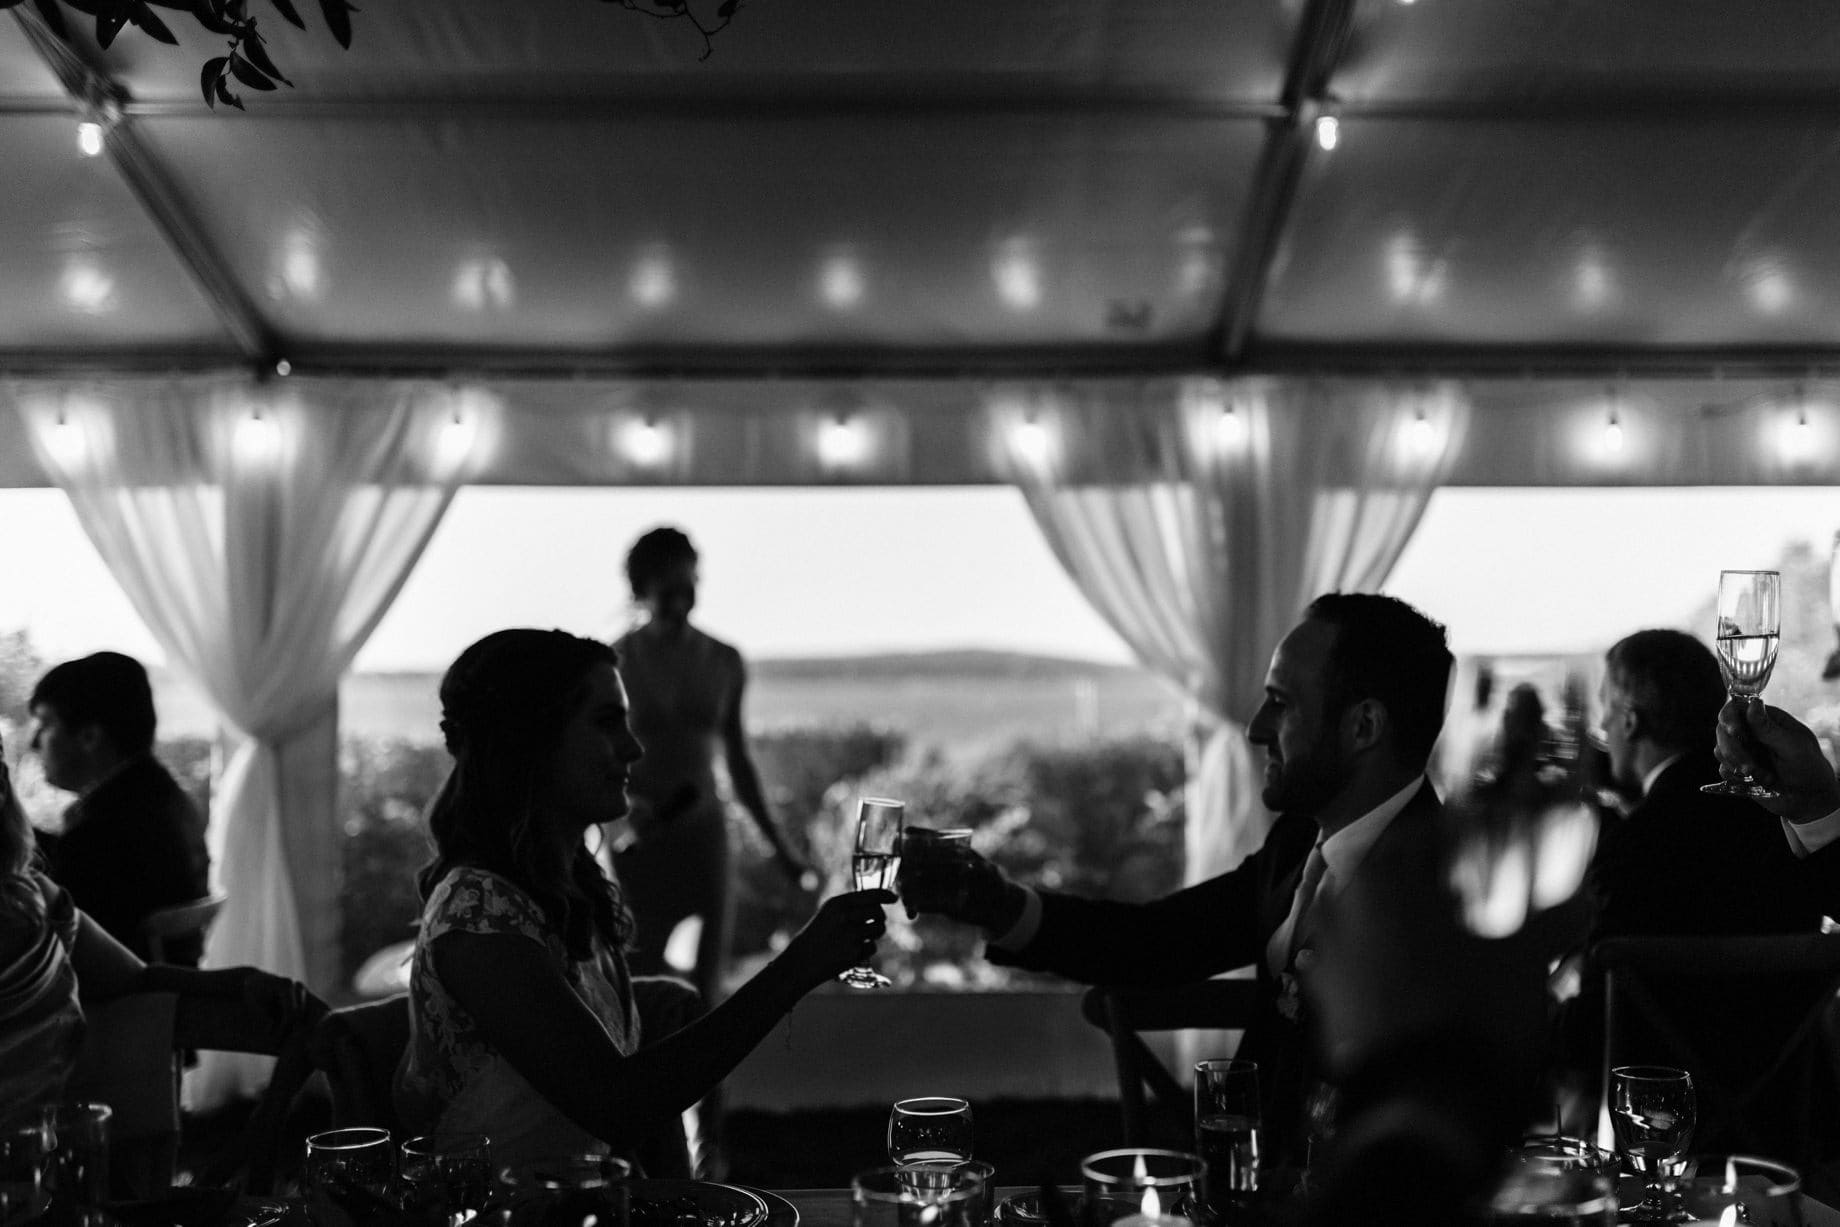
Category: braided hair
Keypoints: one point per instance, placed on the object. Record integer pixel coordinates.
(504, 704)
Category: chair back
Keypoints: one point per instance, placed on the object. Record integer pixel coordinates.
(1747, 1017)
(358, 1048)
(1227, 1005)
(169, 924)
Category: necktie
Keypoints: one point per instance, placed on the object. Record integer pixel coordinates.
(1313, 870)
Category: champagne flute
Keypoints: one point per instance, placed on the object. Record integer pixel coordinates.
(878, 846)
(1653, 1110)
(1749, 628)
(933, 1129)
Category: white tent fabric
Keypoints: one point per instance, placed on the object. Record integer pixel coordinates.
(1204, 566)
(261, 551)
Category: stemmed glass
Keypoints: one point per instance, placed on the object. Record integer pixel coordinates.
(936, 1128)
(1653, 1110)
(878, 844)
(1749, 628)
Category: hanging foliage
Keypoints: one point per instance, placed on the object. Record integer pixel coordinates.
(248, 63)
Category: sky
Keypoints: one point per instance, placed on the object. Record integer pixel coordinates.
(842, 571)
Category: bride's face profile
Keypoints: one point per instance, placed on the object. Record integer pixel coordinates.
(588, 773)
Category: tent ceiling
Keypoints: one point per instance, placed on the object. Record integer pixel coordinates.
(947, 187)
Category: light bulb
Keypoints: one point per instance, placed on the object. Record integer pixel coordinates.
(89, 138)
(455, 446)
(1424, 434)
(1613, 436)
(1231, 426)
(257, 439)
(1328, 132)
(283, 367)
(647, 443)
(841, 442)
(1798, 437)
(66, 442)
(1031, 441)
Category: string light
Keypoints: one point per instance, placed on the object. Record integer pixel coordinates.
(1231, 425)
(89, 138)
(455, 446)
(66, 442)
(1328, 133)
(1798, 432)
(1613, 433)
(647, 443)
(283, 367)
(1031, 440)
(842, 442)
(1424, 434)
(258, 438)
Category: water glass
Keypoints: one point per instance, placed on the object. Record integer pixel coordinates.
(1227, 1123)
(933, 1177)
(444, 1179)
(933, 1127)
(567, 1191)
(1653, 1110)
(78, 1174)
(25, 1152)
(906, 1197)
(350, 1169)
(1728, 1189)
(1533, 1193)
(1557, 1153)
(1153, 1183)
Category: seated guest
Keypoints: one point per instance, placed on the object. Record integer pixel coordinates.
(524, 1025)
(56, 962)
(1354, 700)
(133, 842)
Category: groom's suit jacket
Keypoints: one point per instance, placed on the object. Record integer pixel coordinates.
(1215, 926)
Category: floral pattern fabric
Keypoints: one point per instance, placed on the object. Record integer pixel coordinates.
(451, 1075)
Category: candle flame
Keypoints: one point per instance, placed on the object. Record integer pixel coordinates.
(1152, 1205)
(1140, 1172)
(1730, 1217)
(1731, 1176)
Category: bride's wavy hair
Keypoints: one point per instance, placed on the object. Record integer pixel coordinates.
(504, 704)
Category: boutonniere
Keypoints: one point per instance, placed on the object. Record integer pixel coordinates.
(1290, 984)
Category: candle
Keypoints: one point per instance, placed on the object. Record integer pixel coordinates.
(1150, 1214)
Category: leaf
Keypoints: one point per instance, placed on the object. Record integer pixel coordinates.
(205, 13)
(257, 54)
(210, 75)
(150, 22)
(54, 20)
(338, 20)
(289, 13)
(108, 25)
(224, 94)
(249, 74)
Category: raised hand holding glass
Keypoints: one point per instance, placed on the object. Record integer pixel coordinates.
(872, 864)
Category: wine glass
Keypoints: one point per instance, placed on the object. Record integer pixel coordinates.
(444, 1178)
(1227, 1120)
(1749, 628)
(352, 1169)
(878, 845)
(1653, 1110)
(936, 1128)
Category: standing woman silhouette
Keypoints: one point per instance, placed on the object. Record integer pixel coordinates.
(685, 689)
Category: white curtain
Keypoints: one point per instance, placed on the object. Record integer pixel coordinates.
(261, 535)
(1200, 535)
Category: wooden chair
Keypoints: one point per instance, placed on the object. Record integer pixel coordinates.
(1124, 1012)
(170, 924)
(1686, 1002)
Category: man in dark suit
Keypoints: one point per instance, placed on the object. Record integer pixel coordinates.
(1354, 700)
(133, 842)
(1684, 863)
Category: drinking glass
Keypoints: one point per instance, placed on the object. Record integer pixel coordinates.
(1653, 1110)
(1728, 1189)
(929, 1129)
(568, 1190)
(1749, 628)
(1227, 1124)
(78, 1174)
(1153, 1183)
(352, 1169)
(444, 1178)
(934, 865)
(906, 1197)
(878, 847)
(25, 1152)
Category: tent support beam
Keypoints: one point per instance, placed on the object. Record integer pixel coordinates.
(1321, 37)
(91, 90)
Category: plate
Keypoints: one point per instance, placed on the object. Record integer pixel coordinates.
(694, 1203)
(780, 1212)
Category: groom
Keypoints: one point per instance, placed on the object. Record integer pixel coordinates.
(1354, 700)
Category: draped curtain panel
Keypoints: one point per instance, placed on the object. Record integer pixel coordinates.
(1200, 526)
(261, 536)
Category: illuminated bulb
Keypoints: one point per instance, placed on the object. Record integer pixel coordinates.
(653, 283)
(647, 443)
(1231, 426)
(1613, 436)
(1017, 274)
(283, 367)
(1798, 438)
(1031, 441)
(1424, 434)
(841, 442)
(1328, 132)
(89, 138)
(455, 446)
(841, 282)
(257, 438)
(66, 442)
